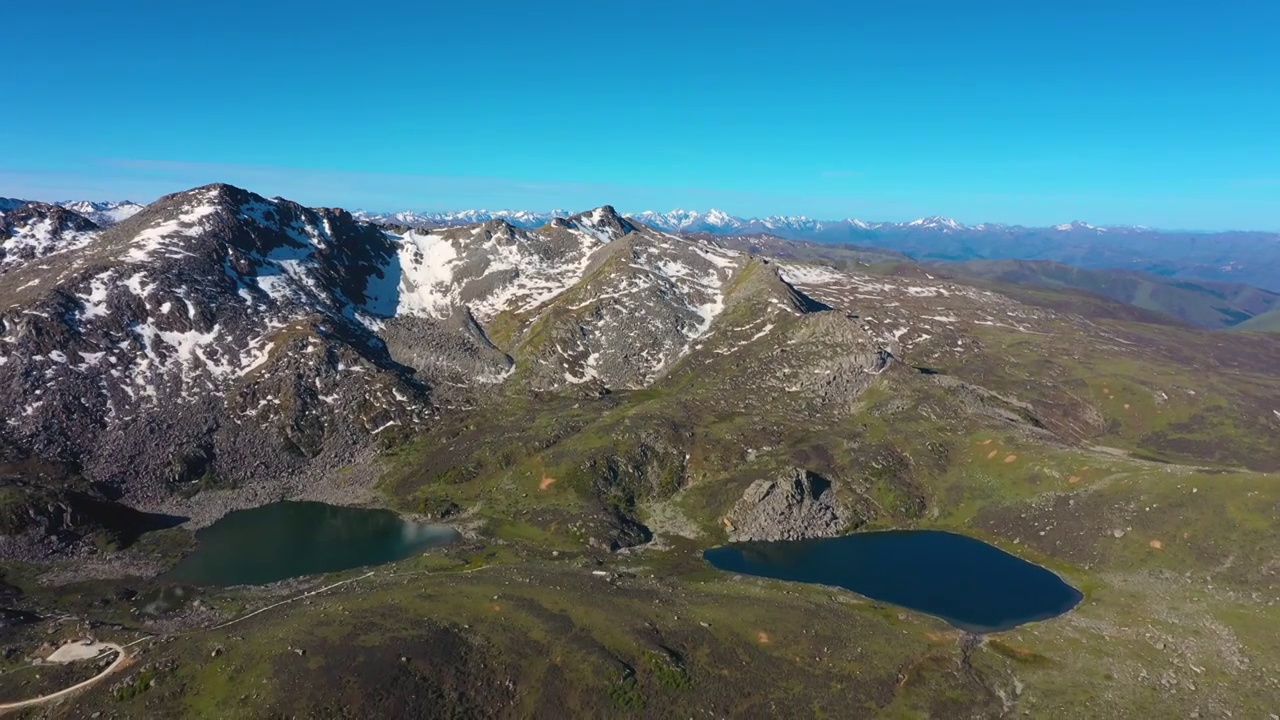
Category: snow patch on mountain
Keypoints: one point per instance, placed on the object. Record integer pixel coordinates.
(496, 266)
(425, 261)
(168, 238)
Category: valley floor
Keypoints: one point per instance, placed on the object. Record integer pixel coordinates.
(511, 628)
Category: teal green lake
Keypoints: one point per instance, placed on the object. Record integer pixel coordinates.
(290, 539)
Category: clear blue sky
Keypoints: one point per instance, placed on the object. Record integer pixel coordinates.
(1164, 114)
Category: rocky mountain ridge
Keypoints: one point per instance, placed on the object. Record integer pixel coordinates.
(219, 337)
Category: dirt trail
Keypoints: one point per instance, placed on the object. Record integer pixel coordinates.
(69, 653)
(79, 651)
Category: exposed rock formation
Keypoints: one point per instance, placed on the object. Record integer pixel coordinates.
(797, 504)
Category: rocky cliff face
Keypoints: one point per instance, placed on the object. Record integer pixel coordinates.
(796, 505)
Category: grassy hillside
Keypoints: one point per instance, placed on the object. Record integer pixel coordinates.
(1266, 322)
(526, 619)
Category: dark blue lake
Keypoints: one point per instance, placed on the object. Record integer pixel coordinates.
(290, 539)
(970, 584)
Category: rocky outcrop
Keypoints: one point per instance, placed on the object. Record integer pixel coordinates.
(38, 522)
(797, 504)
(35, 230)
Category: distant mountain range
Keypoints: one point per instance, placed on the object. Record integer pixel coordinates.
(1245, 257)
(1235, 256)
(102, 214)
(720, 222)
(680, 221)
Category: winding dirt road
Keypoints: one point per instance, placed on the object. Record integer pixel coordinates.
(121, 657)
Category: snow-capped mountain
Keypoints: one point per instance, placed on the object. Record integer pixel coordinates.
(235, 325)
(1077, 225)
(104, 213)
(517, 218)
(690, 221)
(406, 218)
(936, 222)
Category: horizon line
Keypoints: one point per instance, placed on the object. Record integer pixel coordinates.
(630, 214)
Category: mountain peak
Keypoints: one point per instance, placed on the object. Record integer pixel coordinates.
(1076, 225)
(604, 222)
(937, 221)
(213, 194)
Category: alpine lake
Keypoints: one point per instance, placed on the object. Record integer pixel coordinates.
(974, 586)
(290, 539)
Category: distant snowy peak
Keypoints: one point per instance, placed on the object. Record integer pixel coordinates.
(679, 220)
(406, 218)
(1077, 225)
(937, 222)
(104, 213)
(518, 218)
(795, 223)
(720, 217)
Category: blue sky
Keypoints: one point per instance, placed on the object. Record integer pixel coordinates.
(1162, 114)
